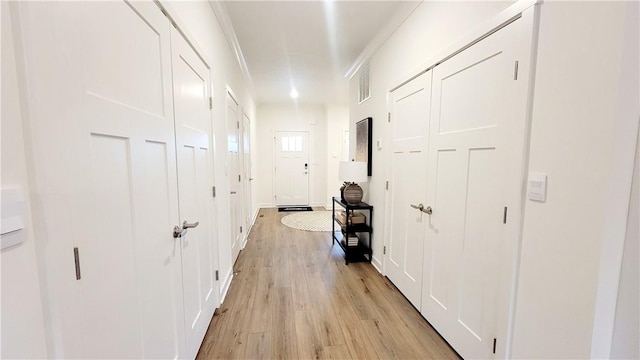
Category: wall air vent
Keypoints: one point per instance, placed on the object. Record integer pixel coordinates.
(364, 83)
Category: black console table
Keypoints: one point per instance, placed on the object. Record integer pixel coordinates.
(362, 251)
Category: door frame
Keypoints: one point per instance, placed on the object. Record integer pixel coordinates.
(275, 156)
(528, 12)
(247, 205)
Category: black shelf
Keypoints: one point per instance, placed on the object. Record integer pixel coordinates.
(362, 252)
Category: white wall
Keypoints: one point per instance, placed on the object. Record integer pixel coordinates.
(626, 335)
(578, 138)
(432, 27)
(574, 139)
(23, 331)
(200, 22)
(291, 117)
(337, 124)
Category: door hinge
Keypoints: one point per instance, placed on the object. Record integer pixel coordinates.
(504, 216)
(515, 71)
(240, 229)
(217, 276)
(239, 178)
(210, 102)
(213, 191)
(76, 259)
(387, 186)
(388, 117)
(494, 345)
(238, 124)
(384, 250)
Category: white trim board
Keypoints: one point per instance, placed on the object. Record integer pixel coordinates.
(220, 11)
(396, 20)
(480, 32)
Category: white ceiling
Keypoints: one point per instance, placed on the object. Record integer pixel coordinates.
(306, 45)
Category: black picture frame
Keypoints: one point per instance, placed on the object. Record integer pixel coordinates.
(364, 142)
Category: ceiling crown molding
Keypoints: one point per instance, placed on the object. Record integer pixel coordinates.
(398, 17)
(220, 10)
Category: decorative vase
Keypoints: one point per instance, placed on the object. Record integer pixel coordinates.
(353, 194)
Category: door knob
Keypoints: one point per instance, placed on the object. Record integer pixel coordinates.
(186, 225)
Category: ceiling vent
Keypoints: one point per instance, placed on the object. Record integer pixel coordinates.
(364, 82)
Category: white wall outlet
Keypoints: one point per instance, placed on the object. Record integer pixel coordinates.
(537, 187)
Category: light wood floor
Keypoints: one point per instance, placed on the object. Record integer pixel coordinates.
(293, 297)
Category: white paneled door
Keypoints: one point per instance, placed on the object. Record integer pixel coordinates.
(113, 181)
(474, 116)
(195, 175)
(234, 169)
(409, 107)
(292, 168)
(246, 164)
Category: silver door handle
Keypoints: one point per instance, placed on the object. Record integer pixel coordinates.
(421, 207)
(250, 179)
(233, 193)
(178, 232)
(186, 225)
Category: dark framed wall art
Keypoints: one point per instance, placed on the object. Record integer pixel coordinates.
(363, 142)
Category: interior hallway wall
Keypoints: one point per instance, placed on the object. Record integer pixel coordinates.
(626, 334)
(337, 124)
(22, 317)
(291, 117)
(581, 138)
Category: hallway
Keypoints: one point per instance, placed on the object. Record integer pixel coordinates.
(293, 297)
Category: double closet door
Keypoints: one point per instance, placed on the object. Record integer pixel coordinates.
(457, 167)
(119, 112)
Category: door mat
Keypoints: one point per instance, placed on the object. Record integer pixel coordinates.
(295, 208)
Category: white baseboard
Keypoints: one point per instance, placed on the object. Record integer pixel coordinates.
(226, 285)
(377, 264)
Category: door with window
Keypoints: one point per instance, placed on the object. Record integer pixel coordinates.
(292, 168)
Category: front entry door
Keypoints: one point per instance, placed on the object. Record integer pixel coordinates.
(195, 176)
(410, 109)
(292, 168)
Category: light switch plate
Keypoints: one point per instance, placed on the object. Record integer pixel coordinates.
(537, 187)
(12, 217)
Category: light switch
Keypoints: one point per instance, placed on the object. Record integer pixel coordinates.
(12, 217)
(379, 144)
(538, 187)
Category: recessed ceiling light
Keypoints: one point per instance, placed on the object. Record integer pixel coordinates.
(293, 94)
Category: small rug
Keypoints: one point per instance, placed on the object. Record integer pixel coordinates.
(295, 208)
(310, 221)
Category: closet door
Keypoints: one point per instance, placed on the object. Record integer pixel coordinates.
(474, 117)
(235, 188)
(191, 87)
(410, 107)
(99, 79)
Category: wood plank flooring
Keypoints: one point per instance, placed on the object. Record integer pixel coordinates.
(293, 297)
